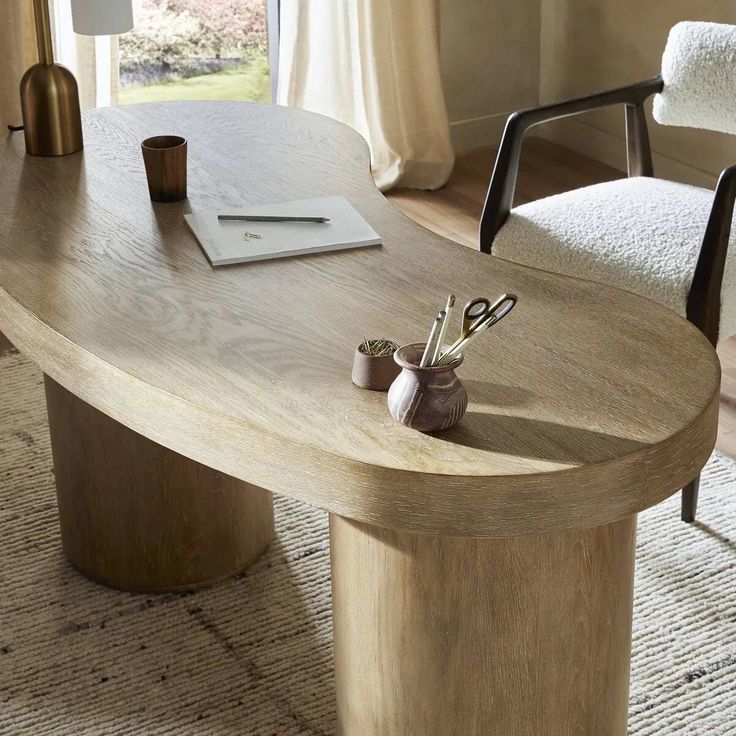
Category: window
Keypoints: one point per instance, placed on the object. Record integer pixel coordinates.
(195, 49)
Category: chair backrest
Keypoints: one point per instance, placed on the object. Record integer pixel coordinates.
(699, 74)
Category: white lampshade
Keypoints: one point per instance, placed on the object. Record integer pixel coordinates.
(102, 17)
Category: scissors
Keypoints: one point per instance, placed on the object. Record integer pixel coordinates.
(478, 315)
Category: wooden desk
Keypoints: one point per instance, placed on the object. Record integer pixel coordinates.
(482, 577)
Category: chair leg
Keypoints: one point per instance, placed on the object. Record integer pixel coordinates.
(690, 500)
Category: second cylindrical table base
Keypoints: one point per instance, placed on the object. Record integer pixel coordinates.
(442, 636)
(137, 516)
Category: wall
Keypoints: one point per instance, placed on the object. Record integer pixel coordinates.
(490, 65)
(588, 45)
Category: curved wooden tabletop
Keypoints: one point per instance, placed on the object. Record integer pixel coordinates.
(587, 404)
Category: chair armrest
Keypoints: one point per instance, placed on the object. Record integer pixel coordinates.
(503, 181)
(704, 300)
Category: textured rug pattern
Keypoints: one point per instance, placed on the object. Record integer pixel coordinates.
(253, 656)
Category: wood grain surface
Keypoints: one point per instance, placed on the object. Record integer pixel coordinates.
(587, 404)
(546, 169)
(444, 636)
(139, 517)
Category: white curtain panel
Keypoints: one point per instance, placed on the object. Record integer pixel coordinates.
(373, 64)
(18, 45)
(92, 59)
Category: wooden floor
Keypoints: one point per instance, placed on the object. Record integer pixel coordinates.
(546, 169)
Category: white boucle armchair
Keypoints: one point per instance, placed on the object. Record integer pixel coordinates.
(661, 239)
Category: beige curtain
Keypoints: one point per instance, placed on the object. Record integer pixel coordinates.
(373, 64)
(92, 59)
(18, 44)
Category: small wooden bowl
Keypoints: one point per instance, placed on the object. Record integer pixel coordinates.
(374, 372)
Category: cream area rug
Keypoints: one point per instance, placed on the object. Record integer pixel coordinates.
(253, 656)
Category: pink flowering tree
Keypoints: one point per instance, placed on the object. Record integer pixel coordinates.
(226, 27)
(160, 35)
(169, 30)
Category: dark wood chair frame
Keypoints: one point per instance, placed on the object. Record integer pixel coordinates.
(704, 298)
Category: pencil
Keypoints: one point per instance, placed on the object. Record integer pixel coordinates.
(431, 341)
(443, 330)
(270, 218)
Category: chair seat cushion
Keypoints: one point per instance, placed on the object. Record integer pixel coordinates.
(640, 234)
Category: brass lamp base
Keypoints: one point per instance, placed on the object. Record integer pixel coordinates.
(51, 118)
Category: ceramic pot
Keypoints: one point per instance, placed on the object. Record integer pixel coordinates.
(426, 399)
(374, 372)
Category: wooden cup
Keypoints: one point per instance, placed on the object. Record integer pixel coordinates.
(165, 158)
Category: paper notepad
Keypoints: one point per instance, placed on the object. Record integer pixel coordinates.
(223, 242)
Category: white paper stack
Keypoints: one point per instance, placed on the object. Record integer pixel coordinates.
(223, 242)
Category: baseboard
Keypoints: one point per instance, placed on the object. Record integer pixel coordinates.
(611, 150)
(482, 132)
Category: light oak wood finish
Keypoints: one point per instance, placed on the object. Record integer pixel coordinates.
(442, 636)
(587, 404)
(546, 169)
(137, 516)
(111, 296)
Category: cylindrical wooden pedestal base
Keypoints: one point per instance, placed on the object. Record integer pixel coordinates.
(441, 636)
(137, 516)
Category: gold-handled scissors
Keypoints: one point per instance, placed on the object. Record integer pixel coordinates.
(478, 315)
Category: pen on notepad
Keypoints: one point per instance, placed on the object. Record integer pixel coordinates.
(271, 218)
